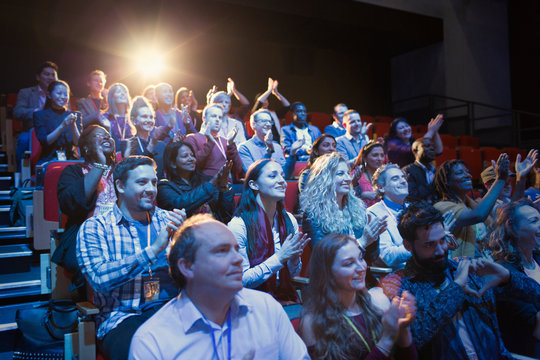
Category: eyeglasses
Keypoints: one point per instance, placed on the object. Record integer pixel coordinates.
(264, 122)
(451, 241)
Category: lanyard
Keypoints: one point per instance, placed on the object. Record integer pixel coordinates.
(228, 336)
(121, 132)
(148, 239)
(174, 113)
(359, 333)
(140, 145)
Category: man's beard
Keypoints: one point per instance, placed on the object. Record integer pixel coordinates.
(431, 265)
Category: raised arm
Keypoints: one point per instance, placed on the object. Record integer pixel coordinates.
(232, 90)
(522, 170)
(278, 95)
(433, 133)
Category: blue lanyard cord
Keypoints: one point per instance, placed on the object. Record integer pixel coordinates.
(228, 336)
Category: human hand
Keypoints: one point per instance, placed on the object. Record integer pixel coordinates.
(231, 136)
(449, 221)
(221, 179)
(390, 324)
(194, 102)
(275, 87)
(178, 136)
(365, 128)
(525, 166)
(501, 167)
(69, 119)
(492, 274)
(357, 174)
(292, 247)
(270, 84)
(175, 219)
(297, 145)
(211, 93)
(407, 309)
(185, 115)
(268, 140)
(250, 355)
(434, 125)
(375, 227)
(230, 86)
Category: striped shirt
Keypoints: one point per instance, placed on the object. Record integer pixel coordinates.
(111, 258)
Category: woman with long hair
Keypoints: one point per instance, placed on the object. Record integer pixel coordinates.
(324, 144)
(330, 205)
(270, 243)
(116, 118)
(340, 319)
(57, 128)
(399, 141)
(452, 186)
(370, 158)
(514, 243)
(187, 188)
(185, 100)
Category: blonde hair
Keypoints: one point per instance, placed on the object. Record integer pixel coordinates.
(319, 199)
(110, 98)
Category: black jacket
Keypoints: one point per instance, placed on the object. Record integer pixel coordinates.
(419, 189)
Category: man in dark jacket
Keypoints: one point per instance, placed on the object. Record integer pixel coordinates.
(455, 316)
(421, 172)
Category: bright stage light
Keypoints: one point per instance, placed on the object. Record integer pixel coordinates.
(150, 65)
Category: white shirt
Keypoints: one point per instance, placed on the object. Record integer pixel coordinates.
(304, 134)
(179, 331)
(256, 275)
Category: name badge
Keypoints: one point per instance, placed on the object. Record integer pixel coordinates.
(61, 155)
(151, 289)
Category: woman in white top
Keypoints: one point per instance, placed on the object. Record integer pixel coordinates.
(268, 236)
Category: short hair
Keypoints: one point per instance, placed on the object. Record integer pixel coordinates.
(122, 169)
(349, 112)
(417, 215)
(296, 104)
(96, 72)
(218, 94)
(161, 86)
(184, 245)
(417, 142)
(140, 102)
(253, 116)
(46, 64)
(338, 105)
(147, 90)
(210, 106)
(379, 179)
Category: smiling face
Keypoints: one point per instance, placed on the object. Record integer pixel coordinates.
(101, 139)
(45, 77)
(459, 180)
(339, 111)
(528, 227)
(262, 124)
(165, 95)
(342, 179)
(120, 95)
(375, 158)
(403, 131)
(218, 264)
(349, 269)
(213, 116)
(430, 248)
(299, 113)
(96, 83)
(185, 161)
(184, 98)
(425, 151)
(395, 187)
(59, 96)
(139, 191)
(144, 120)
(271, 184)
(353, 124)
(327, 145)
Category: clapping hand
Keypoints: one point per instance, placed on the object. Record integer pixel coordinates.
(375, 227)
(297, 145)
(211, 93)
(525, 166)
(230, 86)
(434, 125)
(365, 128)
(231, 136)
(292, 247)
(501, 167)
(69, 120)
(449, 221)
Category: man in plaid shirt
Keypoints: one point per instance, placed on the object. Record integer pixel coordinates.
(122, 254)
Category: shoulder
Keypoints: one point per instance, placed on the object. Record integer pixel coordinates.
(376, 208)
(261, 302)
(27, 91)
(411, 167)
(341, 139)
(287, 128)
(314, 129)
(237, 225)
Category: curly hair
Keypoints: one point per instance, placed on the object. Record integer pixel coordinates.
(504, 239)
(441, 179)
(334, 337)
(379, 180)
(319, 199)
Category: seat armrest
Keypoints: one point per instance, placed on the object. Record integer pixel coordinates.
(87, 309)
(299, 280)
(380, 270)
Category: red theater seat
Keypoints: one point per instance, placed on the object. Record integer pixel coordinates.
(513, 153)
(447, 154)
(449, 141)
(291, 196)
(490, 153)
(473, 158)
(50, 183)
(381, 129)
(466, 140)
(320, 120)
(35, 150)
(420, 128)
(298, 167)
(384, 119)
(369, 119)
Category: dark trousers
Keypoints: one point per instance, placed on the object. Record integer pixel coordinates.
(115, 345)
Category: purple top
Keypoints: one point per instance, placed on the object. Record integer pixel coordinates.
(399, 153)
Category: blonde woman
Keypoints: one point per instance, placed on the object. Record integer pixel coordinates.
(330, 205)
(116, 118)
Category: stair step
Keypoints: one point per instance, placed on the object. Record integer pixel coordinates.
(6, 182)
(4, 195)
(11, 251)
(8, 312)
(21, 284)
(13, 232)
(4, 216)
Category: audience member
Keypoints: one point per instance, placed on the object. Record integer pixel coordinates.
(370, 158)
(116, 118)
(95, 103)
(186, 98)
(212, 151)
(146, 141)
(149, 93)
(213, 306)
(170, 118)
(232, 122)
(341, 319)
(421, 172)
(57, 129)
(350, 144)
(336, 129)
(299, 129)
(118, 248)
(261, 102)
(399, 140)
(452, 184)
(84, 190)
(455, 316)
(263, 146)
(324, 144)
(391, 186)
(514, 243)
(187, 188)
(30, 100)
(533, 183)
(330, 206)
(268, 236)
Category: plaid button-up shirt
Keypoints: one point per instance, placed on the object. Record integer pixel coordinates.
(111, 258)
